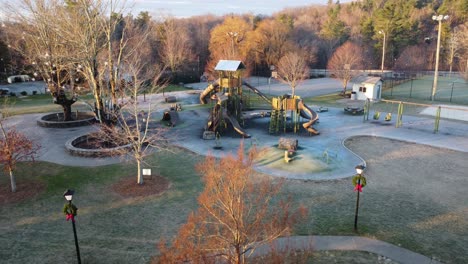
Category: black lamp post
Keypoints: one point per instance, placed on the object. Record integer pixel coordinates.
(70, 210)
(359, 182)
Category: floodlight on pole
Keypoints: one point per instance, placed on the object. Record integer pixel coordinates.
(233, 35)
(383, 49)
(438, 18)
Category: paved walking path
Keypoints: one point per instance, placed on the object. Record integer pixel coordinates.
(347, 243)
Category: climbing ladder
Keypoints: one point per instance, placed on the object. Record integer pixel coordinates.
(276, 121)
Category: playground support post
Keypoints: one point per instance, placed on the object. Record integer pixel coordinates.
(437, 120)
(366, 110)
(400, 115)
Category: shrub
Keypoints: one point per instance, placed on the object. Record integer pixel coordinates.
(24, 93)
(12, 94)
(34, 92)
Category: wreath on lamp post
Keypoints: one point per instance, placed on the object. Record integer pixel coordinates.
(359, 182)
(70, 210)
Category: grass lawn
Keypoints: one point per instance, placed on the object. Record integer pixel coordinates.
(416, 198)
(112, 229)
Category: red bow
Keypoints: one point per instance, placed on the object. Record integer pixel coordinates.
(358, 188)
(70, 216)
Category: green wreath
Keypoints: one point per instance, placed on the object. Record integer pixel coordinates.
(358, 177)
(69, 208)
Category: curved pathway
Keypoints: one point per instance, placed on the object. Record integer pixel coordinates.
(347, 243)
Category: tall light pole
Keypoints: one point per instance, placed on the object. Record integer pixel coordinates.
(359, 182)
(436, 70)
(70, 211)
(383, 49)
(233, 35)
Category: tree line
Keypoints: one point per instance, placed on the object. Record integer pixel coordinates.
(191, 46)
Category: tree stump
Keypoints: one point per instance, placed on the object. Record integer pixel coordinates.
(209, 135)
(289, 144)
(170, 99)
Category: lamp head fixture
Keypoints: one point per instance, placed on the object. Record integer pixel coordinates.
(68, 194)
(440, 17)
(360, 169)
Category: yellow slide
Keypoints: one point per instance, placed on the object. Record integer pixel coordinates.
(207, 92)
(308, 113)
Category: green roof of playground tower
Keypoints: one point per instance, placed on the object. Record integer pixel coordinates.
(229, 65)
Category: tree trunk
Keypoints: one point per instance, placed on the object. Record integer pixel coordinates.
(61, 99)
(98, 109)
(67, 112)
(239, 255)
(139, 177)
(12, 181)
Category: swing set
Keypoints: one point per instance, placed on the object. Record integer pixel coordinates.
(388, 115)
(378, 110)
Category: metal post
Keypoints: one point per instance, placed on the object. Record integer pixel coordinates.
(451, 93)
(436, 70)
(269, 81)
(357, 208)
(383, 49)
(411, 88)
(76, 240)
(400, 115)
(437, 120)
(391, 90)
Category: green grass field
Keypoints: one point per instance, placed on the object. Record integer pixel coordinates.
(113, 229)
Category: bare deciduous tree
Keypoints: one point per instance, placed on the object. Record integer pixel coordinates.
(346, 63)
(175, 44)
(33, 35)
(293, 69)
(413, 58)
(134, 125)
(462, 55)
(270, 41)
(14, 147)
(237, 213)
(72, 41)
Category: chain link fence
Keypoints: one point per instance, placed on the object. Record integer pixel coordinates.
(449, 89)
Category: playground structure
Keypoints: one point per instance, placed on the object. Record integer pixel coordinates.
(227, 91)
(281, 105)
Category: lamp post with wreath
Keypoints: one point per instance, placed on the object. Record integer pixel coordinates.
(359, 182)
(70, 210)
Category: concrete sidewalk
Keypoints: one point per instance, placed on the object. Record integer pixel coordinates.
(347, 243)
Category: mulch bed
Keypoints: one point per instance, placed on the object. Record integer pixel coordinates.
(24, 191)
(155, 185)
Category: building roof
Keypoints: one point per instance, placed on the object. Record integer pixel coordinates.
(367, 79)
(229, 65)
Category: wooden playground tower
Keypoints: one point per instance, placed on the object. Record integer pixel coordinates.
(228, 92)
(281, 106)
(278, 120)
